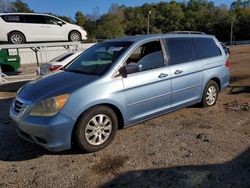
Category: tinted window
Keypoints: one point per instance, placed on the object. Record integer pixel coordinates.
(180, 50)
(52, 20)
(97, 59)
(205, 48)
(36, 19)
(13, 18)
(148, 56)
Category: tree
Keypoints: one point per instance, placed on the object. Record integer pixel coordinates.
(5, 6)
(242, 25)
(135, 21)
(66, 19)
(19, 6)
(171, 17)
(80, 19)
(111, 25)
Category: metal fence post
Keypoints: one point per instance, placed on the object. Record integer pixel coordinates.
(0, 75)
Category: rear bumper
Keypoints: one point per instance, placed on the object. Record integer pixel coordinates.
(225, 79)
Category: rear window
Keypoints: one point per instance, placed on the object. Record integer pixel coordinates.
(205, 48)
(180, 50)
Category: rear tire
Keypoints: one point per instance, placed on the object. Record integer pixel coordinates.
(96, 129)
(210, 94)
(16, 38)
(75, 36)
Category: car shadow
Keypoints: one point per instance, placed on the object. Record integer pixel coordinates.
(12, 87)
(234, 79)
(235, 90)
(14, 148)
(235, 173)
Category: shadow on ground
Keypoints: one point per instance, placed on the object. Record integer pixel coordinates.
(12, 147)
(239, 89)
(235, 173)
(12, 87)
(234, 79)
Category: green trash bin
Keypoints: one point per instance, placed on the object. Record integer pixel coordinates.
(8, 62)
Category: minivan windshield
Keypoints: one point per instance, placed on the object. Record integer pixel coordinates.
(97, 59)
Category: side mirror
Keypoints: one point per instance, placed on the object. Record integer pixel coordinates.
(129, 69)
(123, 72)
(60, 23)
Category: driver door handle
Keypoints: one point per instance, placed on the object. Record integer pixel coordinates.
(178, 72)
(162, 75)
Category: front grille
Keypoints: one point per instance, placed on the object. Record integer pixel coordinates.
(19, 107)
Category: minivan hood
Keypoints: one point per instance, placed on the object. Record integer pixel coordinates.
(55, 84)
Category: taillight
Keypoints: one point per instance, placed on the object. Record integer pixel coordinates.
(227, 64)
(54, 67)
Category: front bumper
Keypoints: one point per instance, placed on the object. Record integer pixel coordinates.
(52, 133)
(83, 34)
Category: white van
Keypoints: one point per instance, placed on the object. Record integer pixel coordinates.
(17, 28)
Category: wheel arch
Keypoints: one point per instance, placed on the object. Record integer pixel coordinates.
(8, 35)
(217, 80)
(117, 111)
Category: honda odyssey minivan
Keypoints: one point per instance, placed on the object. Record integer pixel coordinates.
(118, 83)
(18, 28)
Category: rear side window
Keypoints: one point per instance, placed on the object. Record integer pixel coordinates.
(35, 19)
(180, 50)
(205, 48)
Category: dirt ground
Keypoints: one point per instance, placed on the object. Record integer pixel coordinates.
(192, 147)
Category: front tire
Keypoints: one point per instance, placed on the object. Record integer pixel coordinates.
(16, 38)
(96, 129)
(210, 94)
(75, 36)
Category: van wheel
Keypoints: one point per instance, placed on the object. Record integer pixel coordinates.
(96, 128)
(210, 94)
(75, 36)
(16, 38)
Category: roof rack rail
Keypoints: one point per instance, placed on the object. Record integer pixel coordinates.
(187, 32)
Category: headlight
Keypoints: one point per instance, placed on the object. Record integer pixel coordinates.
(50, 107)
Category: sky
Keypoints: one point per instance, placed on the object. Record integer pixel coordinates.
(70, 7)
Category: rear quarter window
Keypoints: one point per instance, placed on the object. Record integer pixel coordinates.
(205, 48)
(13, 18)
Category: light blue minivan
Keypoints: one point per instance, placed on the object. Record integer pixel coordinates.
(118, 83)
